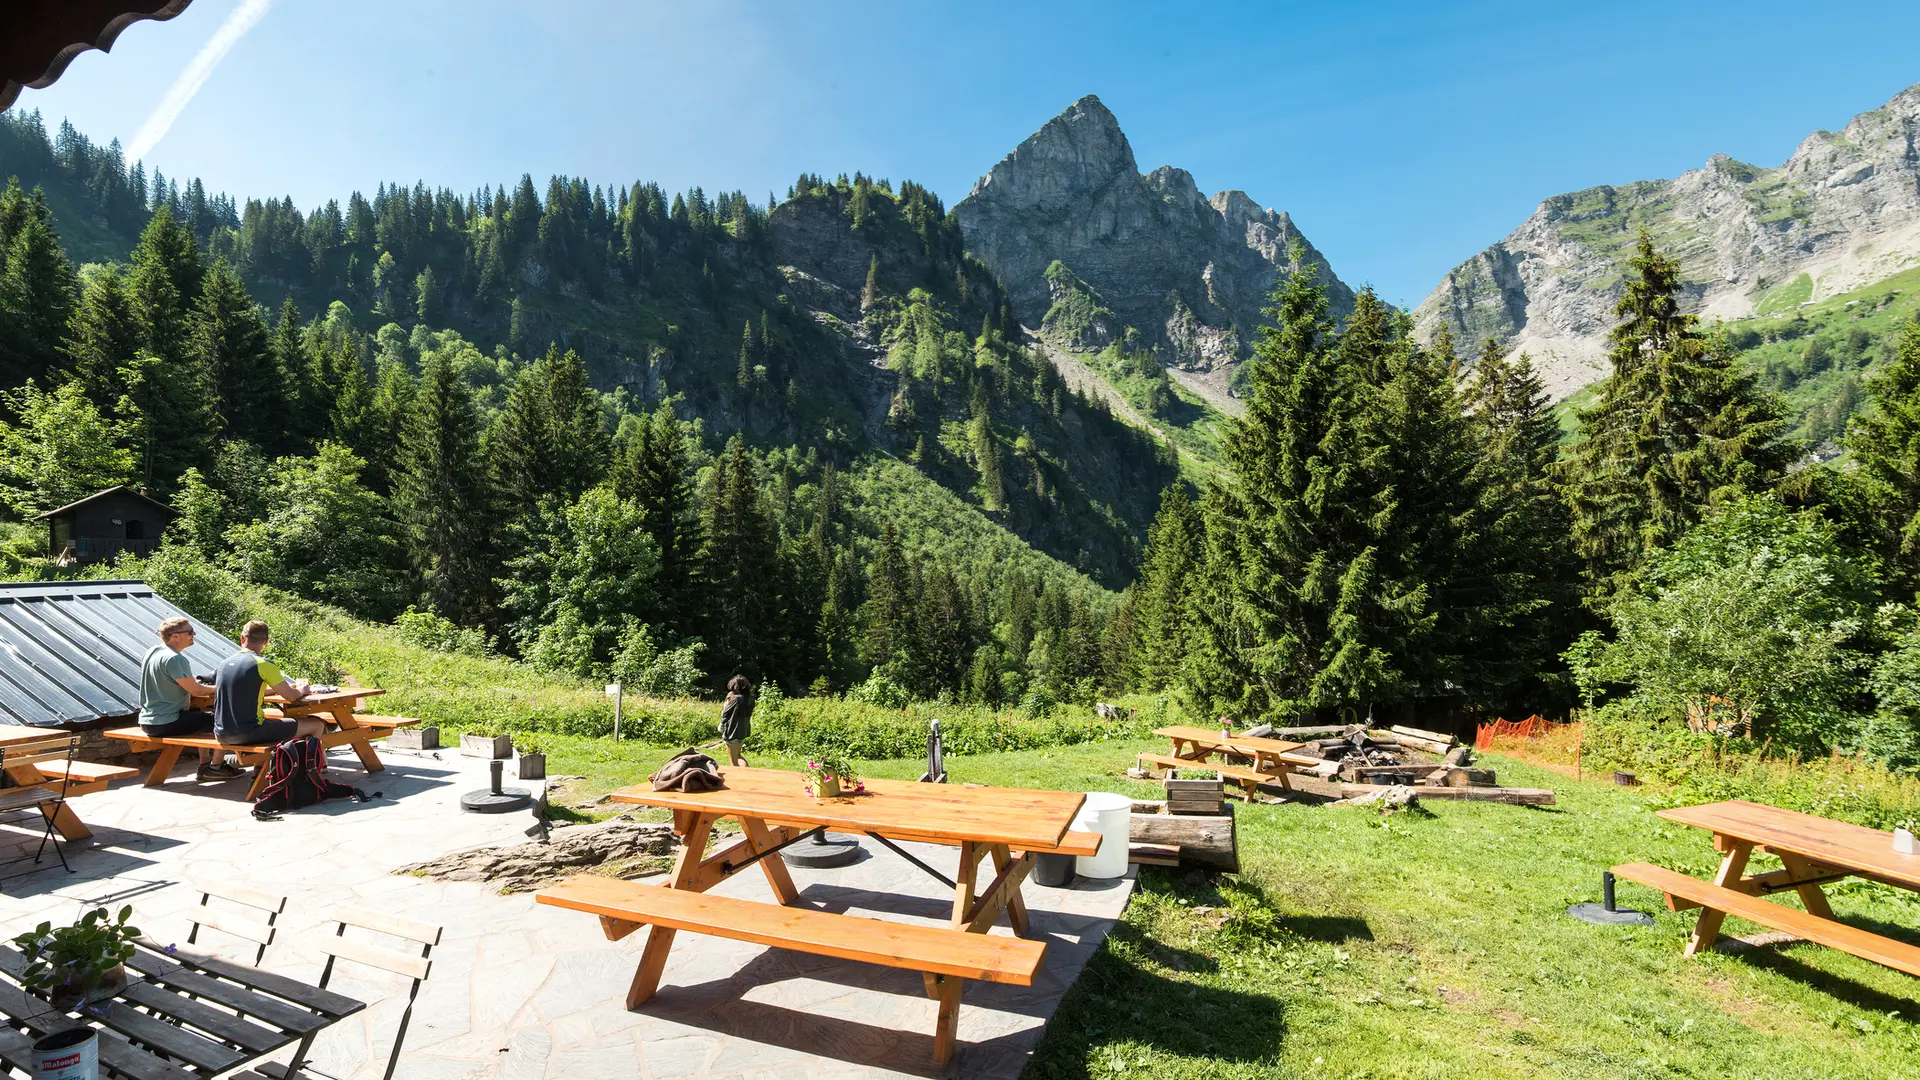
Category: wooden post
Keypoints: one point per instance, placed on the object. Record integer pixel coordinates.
(1707, 930)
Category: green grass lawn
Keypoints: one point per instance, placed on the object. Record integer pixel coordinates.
(1431, 944)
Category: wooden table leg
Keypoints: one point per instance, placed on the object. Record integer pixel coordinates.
(1811, 895)
(946, 1029)
(776, 868)
(1016, 906)
(363, 746)
(1707, 930)
(686, 869)
(163, 765)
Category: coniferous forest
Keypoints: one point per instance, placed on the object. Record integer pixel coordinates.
(615, 432)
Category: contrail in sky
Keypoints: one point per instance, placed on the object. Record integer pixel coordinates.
(195, 76)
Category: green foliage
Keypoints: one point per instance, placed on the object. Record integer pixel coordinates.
(590, 572)
(1747, 625)
(643, 667)
(60, 449)
(430, 631)
(1077, 317)
(324, 535)
(78, 956)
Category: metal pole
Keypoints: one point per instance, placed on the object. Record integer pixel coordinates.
(618, 692)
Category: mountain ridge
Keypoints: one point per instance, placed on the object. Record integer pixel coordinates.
(1841, 212)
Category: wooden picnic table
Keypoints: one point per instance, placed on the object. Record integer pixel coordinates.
(183, 1013)
(1008, 825)
(336, 706)
(1197, 744)
(29, 774)
(1812, 850)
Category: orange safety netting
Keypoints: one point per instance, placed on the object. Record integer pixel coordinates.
(1535, 739)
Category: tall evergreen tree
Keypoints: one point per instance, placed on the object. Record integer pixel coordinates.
(1163, 593)
(740, 568)
(228, 341)
(548, 446)
(165, 281)
(37, 286)
(1677, 428)
(104, 336)
(654, 471)
(441, 495)
(1885, 441)
(886, 618)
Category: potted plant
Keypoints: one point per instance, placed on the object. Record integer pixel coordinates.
(486, 741)
(79, 963)
(532, 762)
(829, 775)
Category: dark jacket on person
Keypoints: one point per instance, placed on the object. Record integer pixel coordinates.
(736, 718)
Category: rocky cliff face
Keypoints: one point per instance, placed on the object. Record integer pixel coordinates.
(1189, 273)
(1842, 212)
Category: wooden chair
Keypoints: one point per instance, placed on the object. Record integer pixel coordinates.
(48, 799)
(342, 947)
(241, 924)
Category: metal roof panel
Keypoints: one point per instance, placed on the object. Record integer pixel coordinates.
(70, 651)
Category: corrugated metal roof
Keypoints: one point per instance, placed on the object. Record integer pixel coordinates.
(70, 650)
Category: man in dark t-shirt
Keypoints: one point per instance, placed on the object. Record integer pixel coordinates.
(240, 689)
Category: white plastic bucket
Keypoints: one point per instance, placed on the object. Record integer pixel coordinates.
(1106, 814)
(73, 1054)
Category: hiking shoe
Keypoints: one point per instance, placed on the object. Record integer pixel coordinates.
(217, 771)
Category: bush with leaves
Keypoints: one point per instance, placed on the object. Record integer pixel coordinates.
(59, 450)
(645, 668)
(431, 631)
(326, 537)
(1748, 625)
(883, 689)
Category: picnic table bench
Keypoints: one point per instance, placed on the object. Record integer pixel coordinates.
(1194, 748)
(1006, 825)
(68, 778)
(356, 730)
(1813, 851)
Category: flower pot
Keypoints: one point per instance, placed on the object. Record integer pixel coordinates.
(73, 1054)
(827, 787)
(532, 766)
(69, 996)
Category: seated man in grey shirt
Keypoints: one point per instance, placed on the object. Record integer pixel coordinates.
(167, 687)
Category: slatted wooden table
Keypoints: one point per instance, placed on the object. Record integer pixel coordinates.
(65, 820)
(183, 1013)
(1008, 825)
(1813, 851)
(1194, 748)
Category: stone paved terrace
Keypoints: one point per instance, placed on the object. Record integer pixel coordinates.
(524, 992)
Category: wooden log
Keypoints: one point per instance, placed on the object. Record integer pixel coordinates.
(1337, 731)
(1153, 854)
(1419, 733)
(1514, 796)
(1206, 841)
(1470, 778)
(1397, 737)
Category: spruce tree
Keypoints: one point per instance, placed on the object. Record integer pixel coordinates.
(1160, 598)
(165, 281)
(1885, 441)
(886, 618)
(37, 286)
(103, 337)
(1677, 428)
(441, 495)
(654, 471)
(228, 341)
(739, 564)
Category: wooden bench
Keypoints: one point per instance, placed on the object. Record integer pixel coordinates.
(1249, 779)
(379, 726)
(1684, 891)
(254, 757)
(948, 956)
(83, 777)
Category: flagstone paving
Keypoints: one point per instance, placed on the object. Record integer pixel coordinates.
(524, 992)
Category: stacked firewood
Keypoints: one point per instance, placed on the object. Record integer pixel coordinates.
(1354, 761)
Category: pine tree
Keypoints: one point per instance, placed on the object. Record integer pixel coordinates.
(886, 618)
(103, 337)
(440, 495)
(743, 372)
(37, 286)
(1885, 441)
(548, 445)
(228, 341)
(165, 281)
(653, 471)
(870, 292)
(304, 385)
(1677, 428)
(1289, 585)
(739, 564)
(1162, 595)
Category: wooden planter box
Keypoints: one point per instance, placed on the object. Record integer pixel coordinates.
(420, 738)
(486, 746)
(531, 766)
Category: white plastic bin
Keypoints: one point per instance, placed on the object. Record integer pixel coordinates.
(1106, 814)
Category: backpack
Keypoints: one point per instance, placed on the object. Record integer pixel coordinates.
(297, 777)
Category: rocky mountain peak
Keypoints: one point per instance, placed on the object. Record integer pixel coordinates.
(1841, 212)
(1188, 273)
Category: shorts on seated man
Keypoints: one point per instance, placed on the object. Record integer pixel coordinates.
(240, 690)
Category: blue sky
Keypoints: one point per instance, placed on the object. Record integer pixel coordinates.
(1402, 137)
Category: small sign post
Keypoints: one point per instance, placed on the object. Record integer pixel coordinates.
(613, 691)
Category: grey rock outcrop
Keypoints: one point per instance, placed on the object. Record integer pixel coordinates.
(1843, 211)
(1189, 273)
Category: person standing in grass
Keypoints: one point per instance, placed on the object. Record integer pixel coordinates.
(736, 718)
(167, 687)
